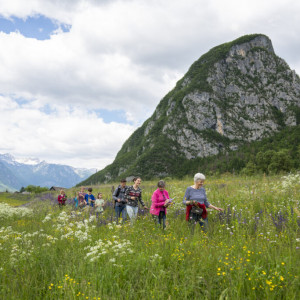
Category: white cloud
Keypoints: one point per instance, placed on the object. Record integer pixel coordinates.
(67, 136)
(118, 54)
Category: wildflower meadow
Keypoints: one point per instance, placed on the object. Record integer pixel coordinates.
(250, 251)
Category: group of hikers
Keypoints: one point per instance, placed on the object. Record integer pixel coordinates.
(126, 199)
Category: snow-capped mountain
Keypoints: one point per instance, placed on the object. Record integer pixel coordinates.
(28, 161)
(7, 158)
(15, 173)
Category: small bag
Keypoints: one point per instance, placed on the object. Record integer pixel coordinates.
(196, 210)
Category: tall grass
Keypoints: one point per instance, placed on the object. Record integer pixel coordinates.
(14, 199)
(251, 250)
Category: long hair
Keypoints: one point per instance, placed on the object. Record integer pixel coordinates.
(136, 178)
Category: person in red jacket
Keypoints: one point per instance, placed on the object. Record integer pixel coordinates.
(62, 197)
(160, 202)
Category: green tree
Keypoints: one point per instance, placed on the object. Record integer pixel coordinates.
(263, 160)
(35, 189)
(281, 161)
(250, 169)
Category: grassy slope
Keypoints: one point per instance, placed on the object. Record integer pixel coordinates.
(14, 199)
(250, 252)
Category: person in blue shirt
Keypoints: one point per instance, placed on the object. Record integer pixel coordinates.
(90, 198)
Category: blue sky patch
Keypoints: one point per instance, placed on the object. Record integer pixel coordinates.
(38, 27)
(21, 101)
(46, 109)
(108, 116)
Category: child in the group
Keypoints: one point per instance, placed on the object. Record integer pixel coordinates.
(91, 197)
(81, 198)
(99, 204)
(62, 197)
(75, 202)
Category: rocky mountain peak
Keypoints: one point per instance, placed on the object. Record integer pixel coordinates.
(236, 93)
(261, 41)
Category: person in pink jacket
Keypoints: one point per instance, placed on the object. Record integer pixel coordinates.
(160, 202)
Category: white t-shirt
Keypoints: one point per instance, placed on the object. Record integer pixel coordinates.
(98, 205)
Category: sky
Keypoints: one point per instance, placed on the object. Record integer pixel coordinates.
(77, 77)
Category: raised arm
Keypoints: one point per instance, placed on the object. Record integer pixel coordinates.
(207, 204)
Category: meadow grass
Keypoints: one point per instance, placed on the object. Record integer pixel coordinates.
(251, 250)
(14, 199)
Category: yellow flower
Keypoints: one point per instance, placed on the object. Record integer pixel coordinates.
(283, 263)
(281, 278)
(219, 269)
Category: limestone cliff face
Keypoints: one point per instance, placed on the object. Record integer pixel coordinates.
(237, 92)
(252, 95)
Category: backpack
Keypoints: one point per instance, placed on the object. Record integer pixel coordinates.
(118, 192)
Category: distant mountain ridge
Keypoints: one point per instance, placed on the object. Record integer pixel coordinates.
(236, 93)
(15, 173)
